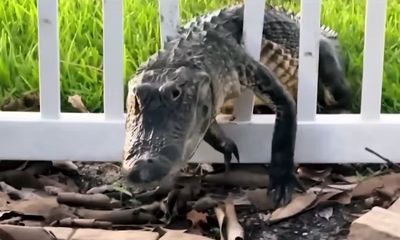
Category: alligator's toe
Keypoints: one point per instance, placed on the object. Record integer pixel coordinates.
(230, 148)
(282, 187)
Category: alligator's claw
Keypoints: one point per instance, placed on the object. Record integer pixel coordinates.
(282, 187)
(230, 148)
(220, 142)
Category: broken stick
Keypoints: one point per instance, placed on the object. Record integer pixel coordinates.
(390, 163)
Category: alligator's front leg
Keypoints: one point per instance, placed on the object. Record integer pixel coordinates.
(282, 179)
(220, 142)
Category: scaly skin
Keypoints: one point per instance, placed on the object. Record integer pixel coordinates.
(280, 51)
(175, 96)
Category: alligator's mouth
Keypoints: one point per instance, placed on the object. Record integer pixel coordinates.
(144, 187)
(148, 175)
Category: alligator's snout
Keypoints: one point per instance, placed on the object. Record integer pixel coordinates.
(150, 167)
(147, 170)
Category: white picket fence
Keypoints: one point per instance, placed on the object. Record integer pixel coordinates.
(54, 135)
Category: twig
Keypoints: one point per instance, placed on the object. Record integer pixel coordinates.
(96, 201)
(391, 164)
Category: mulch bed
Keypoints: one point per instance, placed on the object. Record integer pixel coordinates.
(204, 201)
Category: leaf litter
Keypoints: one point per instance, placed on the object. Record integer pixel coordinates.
(207, 204)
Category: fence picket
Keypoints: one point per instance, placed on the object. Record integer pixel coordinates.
(308, 59)
(49, 60)
(169, 19)
(373, 59)
(91, 137)
(113, 58)
(252, 33)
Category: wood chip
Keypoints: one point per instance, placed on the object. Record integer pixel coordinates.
(297, 205)
(230, 228)
(379, 223)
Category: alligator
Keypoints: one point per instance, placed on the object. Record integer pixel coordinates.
(174, 97)
(334, 94)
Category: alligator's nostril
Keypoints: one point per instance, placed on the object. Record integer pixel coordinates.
(175, 93)
(143, 92)
(148, 170)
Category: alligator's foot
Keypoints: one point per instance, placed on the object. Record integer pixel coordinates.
(282, 186)
(220, 142)
(230, 148)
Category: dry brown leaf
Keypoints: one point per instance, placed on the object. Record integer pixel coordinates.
(298, 204)
(240, 178)
(313, 174)
(15, 193)
(65, 165)
(230, 228)
(343, 187)
(196, 217)
(76, 102)
(346, 179)
(45, 208)
(239, 200)
(140, 215)
(26, 233)
(12, 221)
(235, 231)
(37, 167)
(175, 235)
(100, 189)
(205, 203)
(92, 201)
(323, 189)
(51, 182)
(4, 199)
(60, 180)
(389, 182)
(207, 167)
(51, 190)
(196, 230)
(81, 223)
(395, 207)
(29, 101)
(343, 198)
(20, 179)
(34, 206)
(259, 199)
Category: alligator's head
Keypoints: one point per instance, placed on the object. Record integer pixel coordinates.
(168, 114)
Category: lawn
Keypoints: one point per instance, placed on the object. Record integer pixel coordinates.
(81, 44)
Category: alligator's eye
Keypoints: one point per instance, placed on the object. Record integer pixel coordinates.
(175, 93)
(171, 91)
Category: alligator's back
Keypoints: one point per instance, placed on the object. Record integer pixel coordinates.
(279, 46)
(280, 26)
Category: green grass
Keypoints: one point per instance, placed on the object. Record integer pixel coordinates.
(81, 44)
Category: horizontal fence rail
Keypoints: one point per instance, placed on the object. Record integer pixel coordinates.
(54, 135)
